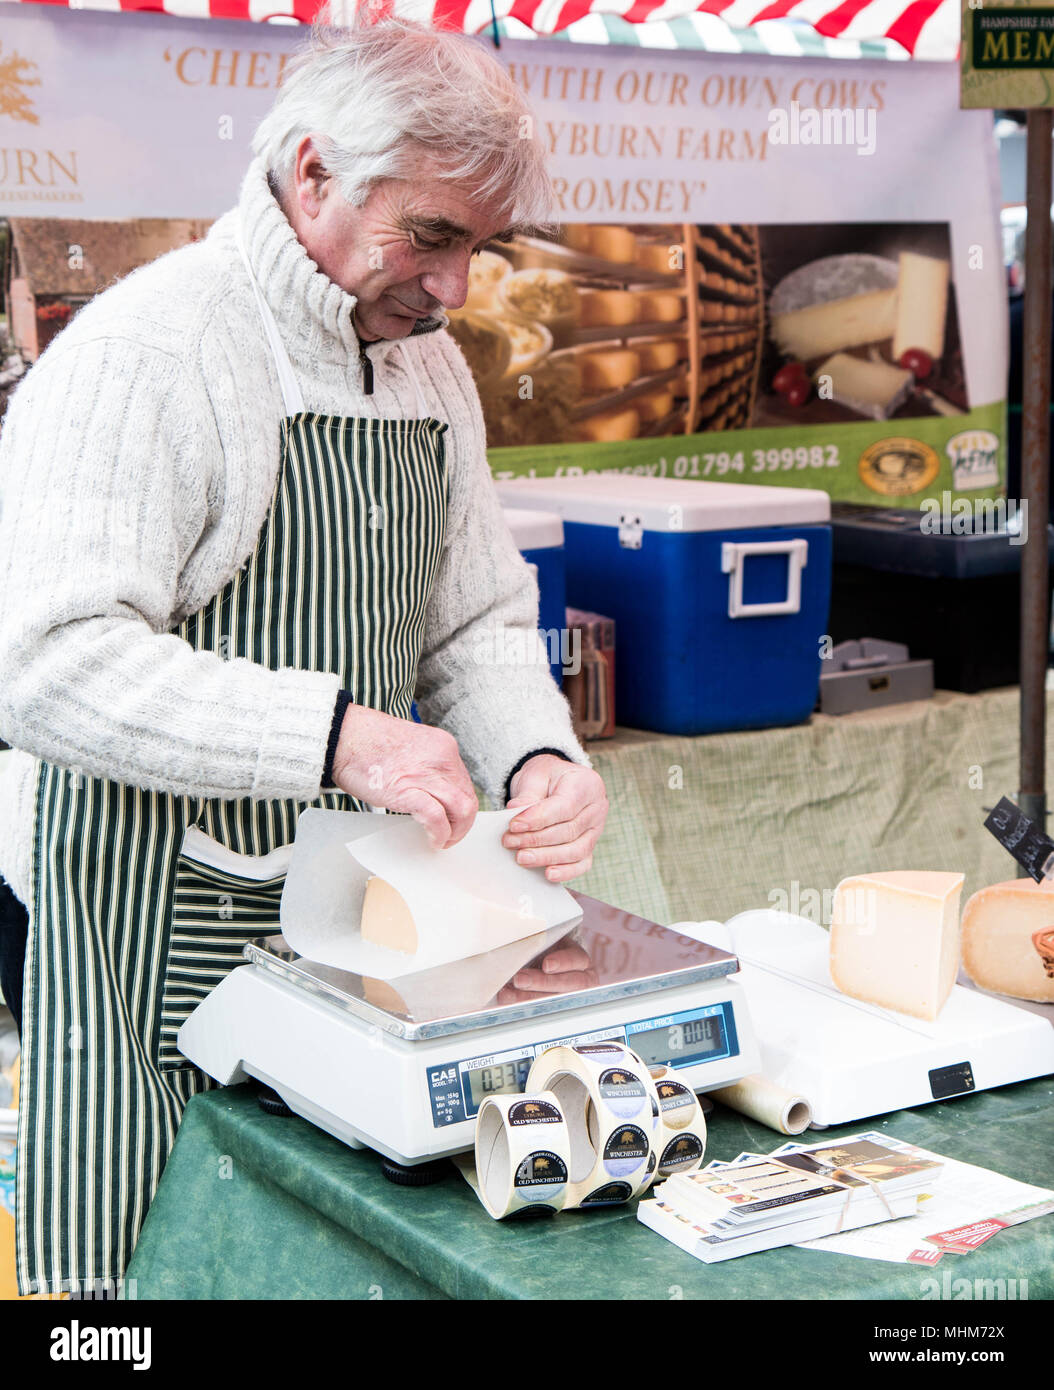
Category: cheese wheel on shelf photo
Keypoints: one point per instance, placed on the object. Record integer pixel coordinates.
(609, 427)
(659, 306)
(1008, 939)
(609, 370)
(608, 308)
(655, 405)
(657, 355)
(613, 244)
(664, 257)
(578, 236)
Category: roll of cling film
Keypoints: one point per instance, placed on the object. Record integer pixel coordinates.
(613, 1119)
(682, 1127)
(522, 1154)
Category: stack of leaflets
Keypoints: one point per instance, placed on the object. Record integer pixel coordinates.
(757, 1203)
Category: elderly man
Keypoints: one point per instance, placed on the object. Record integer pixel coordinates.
(247, 520)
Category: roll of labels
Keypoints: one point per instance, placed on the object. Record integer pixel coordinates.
(594, 1128)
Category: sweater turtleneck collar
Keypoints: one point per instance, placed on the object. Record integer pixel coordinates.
(315, 316)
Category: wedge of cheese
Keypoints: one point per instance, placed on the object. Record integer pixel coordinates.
(839, 323)
(435, 927)
(895, 939)
(875, 389)
(1007, 939)
(922, 304)
(386, 917)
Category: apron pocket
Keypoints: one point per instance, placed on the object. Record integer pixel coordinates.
(215, 911)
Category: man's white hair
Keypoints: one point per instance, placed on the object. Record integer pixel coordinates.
(378, 96)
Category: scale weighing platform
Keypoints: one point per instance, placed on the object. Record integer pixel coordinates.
(852, 1060)
(403, 1067)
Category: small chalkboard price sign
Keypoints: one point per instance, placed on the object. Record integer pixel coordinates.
(1020, 837)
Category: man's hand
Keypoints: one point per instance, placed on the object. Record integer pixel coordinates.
(406, 767)
(565, 970)
(561, 829)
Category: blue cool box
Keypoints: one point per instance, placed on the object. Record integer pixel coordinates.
(539, 537)
(720, 593)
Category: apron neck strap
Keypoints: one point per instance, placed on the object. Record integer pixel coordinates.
(294, 401)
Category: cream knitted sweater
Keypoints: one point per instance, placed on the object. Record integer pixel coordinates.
(137, 464)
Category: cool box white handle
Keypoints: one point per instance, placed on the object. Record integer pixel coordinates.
(733, 553)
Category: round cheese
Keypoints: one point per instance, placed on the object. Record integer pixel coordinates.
(609, 371)
(613, 244)
(608, 308)
(667, 258)
(657, 306)
(656, 405)
(609, 427)
(999, 930)
(658, 356)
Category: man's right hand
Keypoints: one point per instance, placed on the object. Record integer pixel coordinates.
(407, 767)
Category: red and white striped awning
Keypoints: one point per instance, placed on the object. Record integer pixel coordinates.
(926, 29)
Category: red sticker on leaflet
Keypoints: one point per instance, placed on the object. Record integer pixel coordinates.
(925, 1257)
(965, 1238)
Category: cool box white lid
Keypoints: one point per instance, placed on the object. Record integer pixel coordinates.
(533, 530)
(667, 504)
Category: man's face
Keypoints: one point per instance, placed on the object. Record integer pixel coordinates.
(405, 253)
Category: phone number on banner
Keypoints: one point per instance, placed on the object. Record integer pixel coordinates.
(757, 461)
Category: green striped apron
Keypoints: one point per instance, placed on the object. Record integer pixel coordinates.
(131, 929)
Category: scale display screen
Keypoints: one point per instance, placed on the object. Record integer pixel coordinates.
(458, 1088)
(681, 1039)
(498, 1079)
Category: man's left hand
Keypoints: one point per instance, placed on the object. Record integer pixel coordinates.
(559, 831)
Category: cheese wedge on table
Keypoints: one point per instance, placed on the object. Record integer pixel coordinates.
(1008, 939)
(922, 303)
(895, 939)
(875, 389)
(839, 323)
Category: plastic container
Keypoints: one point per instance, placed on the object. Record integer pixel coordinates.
(954, 598)
(539, 536)
(719, 592)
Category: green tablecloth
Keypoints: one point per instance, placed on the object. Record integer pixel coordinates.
(252, 1205)
(707, 827)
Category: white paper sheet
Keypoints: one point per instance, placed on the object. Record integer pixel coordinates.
(448, 891)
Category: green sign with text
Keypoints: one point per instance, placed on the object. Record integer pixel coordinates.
(1009, 39)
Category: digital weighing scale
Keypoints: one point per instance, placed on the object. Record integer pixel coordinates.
(404, 1067)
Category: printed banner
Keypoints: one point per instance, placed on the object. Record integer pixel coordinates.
(770, 270)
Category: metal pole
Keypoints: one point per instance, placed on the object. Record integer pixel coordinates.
(1035, 465)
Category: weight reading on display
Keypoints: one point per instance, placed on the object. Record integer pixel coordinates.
(499, 1079)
